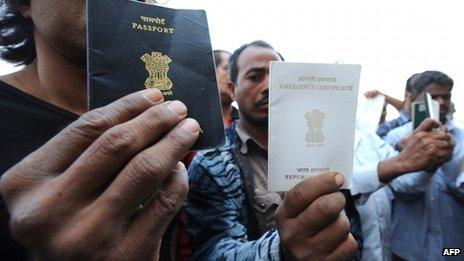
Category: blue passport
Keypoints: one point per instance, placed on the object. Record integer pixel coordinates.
(132, 46)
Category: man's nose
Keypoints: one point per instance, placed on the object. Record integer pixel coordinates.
(440, 100)
(265, 85)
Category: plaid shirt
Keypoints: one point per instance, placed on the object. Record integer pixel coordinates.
(387, 126)
(220, 222)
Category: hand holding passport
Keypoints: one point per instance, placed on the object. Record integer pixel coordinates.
(132, 46)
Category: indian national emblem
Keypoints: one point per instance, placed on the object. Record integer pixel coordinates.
(157, 66)
(315, 121)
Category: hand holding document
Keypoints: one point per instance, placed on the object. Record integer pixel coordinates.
(370, 111)
(312, 115)
(134, 46)
(421, 110)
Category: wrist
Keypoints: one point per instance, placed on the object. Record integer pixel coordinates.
(391, 168)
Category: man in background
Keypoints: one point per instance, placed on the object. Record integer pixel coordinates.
(429, 205)
(231, 213)
(403, 107)
(229, 112)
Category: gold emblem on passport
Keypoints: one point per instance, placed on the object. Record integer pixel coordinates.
(157, 66)
(315, 121)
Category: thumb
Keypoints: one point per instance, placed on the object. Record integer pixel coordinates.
(427, 125)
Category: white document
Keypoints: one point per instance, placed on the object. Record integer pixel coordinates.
(370, 111)
(312, 115)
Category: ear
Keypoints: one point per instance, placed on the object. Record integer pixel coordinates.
(25, 10)
(407, 95)
(231, 89)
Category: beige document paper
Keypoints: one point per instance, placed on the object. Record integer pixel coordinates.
(370, 111)
(312, 116)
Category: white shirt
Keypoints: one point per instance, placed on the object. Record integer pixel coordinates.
(372, 198)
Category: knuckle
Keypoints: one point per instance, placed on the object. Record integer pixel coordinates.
(421, 135)
(81, 248)
(330, 205)
(176, 144)
(169, 202)
(17, 180)
(6, 185)
(278, 215)
(160, 117)
(343, 225)
(352, 245)
(24, 223)
(148, 167)
(178, 190)
(297, 194)
(119, 140)
(93, 123)
(286, 236)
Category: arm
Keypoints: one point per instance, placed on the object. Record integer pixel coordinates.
(424, 151)
(62, 204)
(398, 104)
(216, 217)
(453, 172)
(458, 186)
(370, 151)
(411, 183)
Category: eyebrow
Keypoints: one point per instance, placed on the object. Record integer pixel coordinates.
(256, 69)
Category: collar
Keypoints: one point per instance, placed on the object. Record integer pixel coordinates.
(450, 125)
(245, 138)
(405, 115)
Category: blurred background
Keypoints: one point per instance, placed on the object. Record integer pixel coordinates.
(390, 39)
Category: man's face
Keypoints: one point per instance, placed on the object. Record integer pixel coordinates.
(61, 24)
(252, 86)
(442, 95)
(223, 78)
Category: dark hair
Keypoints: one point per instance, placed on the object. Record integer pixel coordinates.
(217, 56)
(410, 82)
(233, 71)
(428, 77)
(16, 33)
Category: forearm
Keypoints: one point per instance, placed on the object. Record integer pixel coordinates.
(398, 104)
(365, 180)
(267, 247)
(390, 169)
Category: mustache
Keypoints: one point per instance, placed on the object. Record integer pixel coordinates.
(263, 101)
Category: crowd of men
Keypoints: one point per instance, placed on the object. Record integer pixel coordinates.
(107, 184)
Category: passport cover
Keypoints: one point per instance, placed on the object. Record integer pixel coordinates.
(132, 46)
(312, 116)
(421, 110)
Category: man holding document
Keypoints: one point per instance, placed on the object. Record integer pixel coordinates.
(429, 205)
(231, 213)
(106, 183)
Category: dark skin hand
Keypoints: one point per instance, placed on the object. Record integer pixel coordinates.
(310, 223)
(108, 184)
(427, 148)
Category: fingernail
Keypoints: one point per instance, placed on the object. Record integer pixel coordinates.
(339, 179)
(152, 95)
(180, 167)
(190, 125)
(177, 107)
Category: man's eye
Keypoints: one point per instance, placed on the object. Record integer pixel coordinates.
(254, 77)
